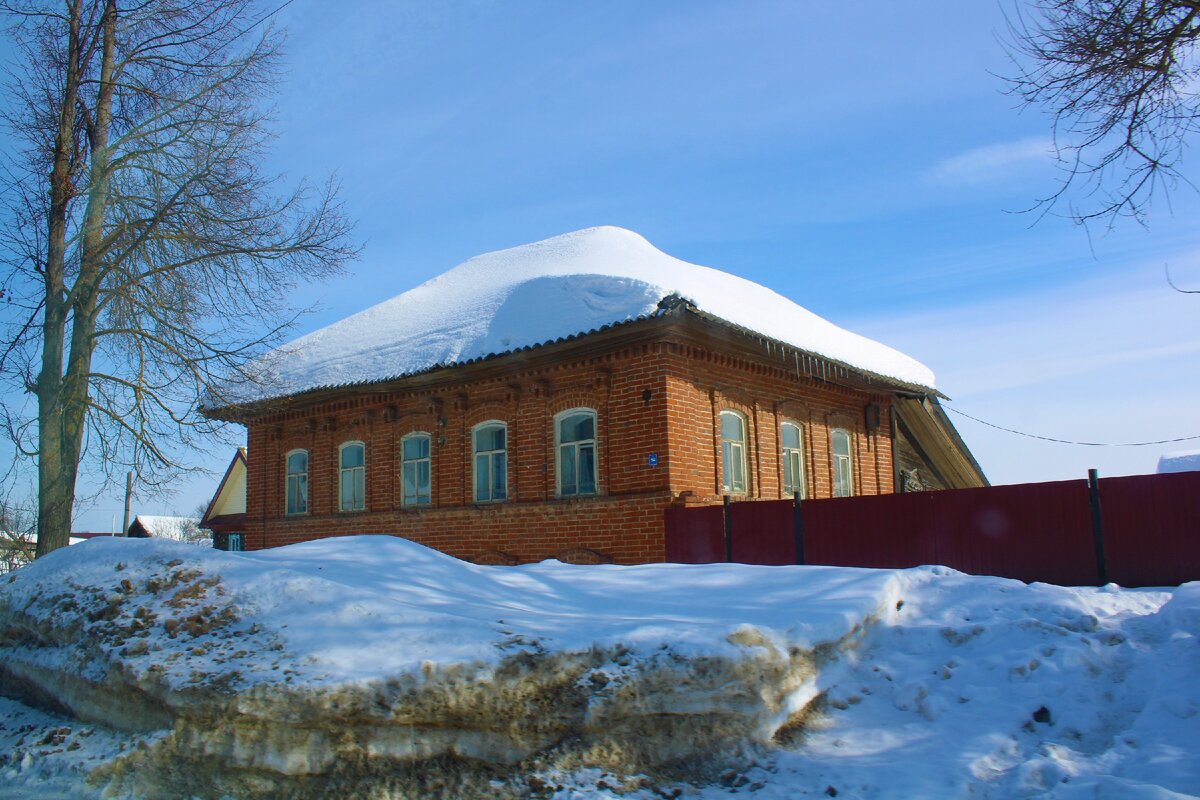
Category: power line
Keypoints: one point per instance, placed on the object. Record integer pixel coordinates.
(1068, 441)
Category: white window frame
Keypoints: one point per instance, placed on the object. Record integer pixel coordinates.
(576, 447)
(287, 482)
(404, 464)
(491, 455)
(362, 506)
(733, 455)
(793, 456)
(843, 464)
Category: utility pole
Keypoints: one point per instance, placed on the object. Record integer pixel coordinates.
(128, 495)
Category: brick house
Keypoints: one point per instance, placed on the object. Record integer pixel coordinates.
(553, 399)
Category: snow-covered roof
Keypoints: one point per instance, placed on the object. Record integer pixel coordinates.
(543, 292)
(167, 527)
(1179, 461)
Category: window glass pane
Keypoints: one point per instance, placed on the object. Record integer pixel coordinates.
(731, 426)
(841, 468)
(297, 494)
(499, 477)
(727, 459)
(577, 427)
(739, 469)
(297, 462)
(490, 437)
(347, 490)
(416, 447)
(423, 492)
(791, 436)
(482, 479)
(587, 469)
(568, 482)
(795, 473)
(841, 443)
(360, 476)
(352, 456)
(410, 482)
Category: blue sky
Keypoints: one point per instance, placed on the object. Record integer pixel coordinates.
(865, 163)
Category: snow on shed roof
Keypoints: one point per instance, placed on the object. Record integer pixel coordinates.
(1179, 461)
(543, 292)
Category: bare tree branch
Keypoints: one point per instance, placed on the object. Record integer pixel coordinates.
(1120, 80)
(147, 258)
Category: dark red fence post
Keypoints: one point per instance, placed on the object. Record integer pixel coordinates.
(798, 527)
(1097, 525)
(728, 532)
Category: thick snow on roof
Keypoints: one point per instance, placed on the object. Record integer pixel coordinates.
(545, 291)
(168, 527)
(1179, 461)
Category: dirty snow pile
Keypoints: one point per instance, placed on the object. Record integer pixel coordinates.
(542, 292)
(373, 667)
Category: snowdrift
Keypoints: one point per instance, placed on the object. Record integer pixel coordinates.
(373, 667)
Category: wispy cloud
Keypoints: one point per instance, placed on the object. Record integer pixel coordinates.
(990, 162)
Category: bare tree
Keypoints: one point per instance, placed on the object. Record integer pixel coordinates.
(148, 258)
(1120, 78)
(18, 534)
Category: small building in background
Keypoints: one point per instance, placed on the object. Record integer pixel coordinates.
(1179, 461)
(226, 514)
(180, 529)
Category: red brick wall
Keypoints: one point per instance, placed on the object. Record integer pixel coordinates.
(700, 387)
(660, 398)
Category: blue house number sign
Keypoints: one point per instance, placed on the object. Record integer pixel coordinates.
(652, 459)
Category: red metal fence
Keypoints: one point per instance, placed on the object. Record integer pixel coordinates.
(1149, 533)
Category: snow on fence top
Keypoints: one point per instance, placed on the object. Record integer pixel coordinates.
(543, 292)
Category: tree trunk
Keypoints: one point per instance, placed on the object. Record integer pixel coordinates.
(56, 479)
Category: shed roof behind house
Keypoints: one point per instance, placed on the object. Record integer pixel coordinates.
(543, 292)
(164, 527)
(1179, 461)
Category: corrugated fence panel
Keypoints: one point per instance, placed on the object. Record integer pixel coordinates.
(695, 535)
(1031, 531)
(763, 532)
(873, 531)
(1152, 528)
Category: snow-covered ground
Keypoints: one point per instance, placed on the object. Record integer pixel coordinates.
(846, 683)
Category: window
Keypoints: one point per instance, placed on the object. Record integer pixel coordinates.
(575, 433)
(733, 451)
(352, 477)
(297, 482)
(414, 469)
(233, 543)
(491, 462)
(793, 458)
(843, 464)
